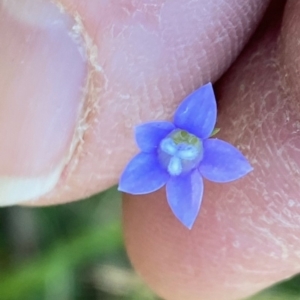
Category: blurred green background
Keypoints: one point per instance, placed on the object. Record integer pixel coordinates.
(76, 251)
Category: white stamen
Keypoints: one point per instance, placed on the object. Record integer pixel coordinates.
(168, 146)
(175, 166)
(188, 152)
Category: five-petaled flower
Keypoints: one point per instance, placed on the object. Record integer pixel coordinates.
(180, 154)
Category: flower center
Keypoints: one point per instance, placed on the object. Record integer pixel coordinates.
(180, 152)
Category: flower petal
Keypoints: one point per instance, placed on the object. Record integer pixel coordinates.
(222, 162)
(149, 135)
(184, 195)
(143, 175)
(197, 114)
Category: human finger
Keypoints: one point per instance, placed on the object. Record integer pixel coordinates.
(247, 234)
(76, 76)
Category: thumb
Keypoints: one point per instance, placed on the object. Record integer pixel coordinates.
(41, 75)
(77, 76)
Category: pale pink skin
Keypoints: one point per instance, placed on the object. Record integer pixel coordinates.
(247, 236)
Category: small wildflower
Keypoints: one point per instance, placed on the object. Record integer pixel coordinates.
(180, 154)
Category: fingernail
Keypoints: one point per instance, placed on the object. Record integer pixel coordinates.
(41, 79)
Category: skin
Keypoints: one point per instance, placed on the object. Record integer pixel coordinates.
(247, 234)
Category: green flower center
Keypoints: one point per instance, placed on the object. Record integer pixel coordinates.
(180, 152)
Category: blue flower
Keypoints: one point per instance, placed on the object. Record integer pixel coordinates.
(180, 154)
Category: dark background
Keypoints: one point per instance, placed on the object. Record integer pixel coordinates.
(75, 251)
